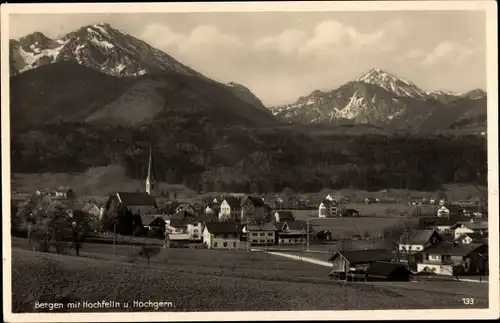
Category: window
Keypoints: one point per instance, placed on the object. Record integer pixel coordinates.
(195, 230)
(262, 241)
(433, 257)
(262, 234)
(255, 241)
(254, 234)
(215, 244)
(282, 240)
(296, 240)
(225, 244)
(270, 241)
(270, 234)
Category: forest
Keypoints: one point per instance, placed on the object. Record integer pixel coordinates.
(254, 160)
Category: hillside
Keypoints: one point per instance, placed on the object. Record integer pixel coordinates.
(70, 92)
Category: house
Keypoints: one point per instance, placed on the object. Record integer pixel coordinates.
(449, 258)
(169, 208)
(345, 262)
(177, 230)
(328, 209)
(349, 212)
(230, 209)
(417, 240)
(442, 211)
(371, 200)
(222, 235)
(212, 209)
(387, 271)
(474, 237)
(471, 226)
(253, 208)
(260, 233)
(140, 203)
(293, 232)
(331, 197)
(282, 216)
(443, 225)
(153, 222)
(473, 211)
(195, 230)
(186, 207)
(94, 210)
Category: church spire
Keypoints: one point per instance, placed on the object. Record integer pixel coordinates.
(151, 178)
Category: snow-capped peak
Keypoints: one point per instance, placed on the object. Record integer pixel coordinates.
(392, 83)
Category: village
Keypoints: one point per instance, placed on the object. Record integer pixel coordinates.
(450, 242)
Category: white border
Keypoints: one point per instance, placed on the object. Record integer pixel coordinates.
(492, 81)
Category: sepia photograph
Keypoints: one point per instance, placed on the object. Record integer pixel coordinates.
(266, 160)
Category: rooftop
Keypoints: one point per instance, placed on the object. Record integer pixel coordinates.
(453, 249)
(417, 237)
(364, 256)
(223, 227)
(136, 199)
(384, 268)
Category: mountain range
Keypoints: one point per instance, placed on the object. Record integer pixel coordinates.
(100, 74)
(380, 98)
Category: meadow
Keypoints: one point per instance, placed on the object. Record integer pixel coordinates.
(211, 280)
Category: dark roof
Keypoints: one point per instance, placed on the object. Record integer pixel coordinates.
(185, 214)
(255, 200)
(150, 218)
(452, 249)
(416, 237)
(179, 222)
(136, 199)
(298, 225)
(364, 256)
(384, 268)
(440, 221)
(351, 211)
(328, 202)
(286, 215)
(233, 201)
(476, 225)
(223, 227)
(261, 227)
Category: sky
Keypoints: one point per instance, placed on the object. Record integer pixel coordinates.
(281, 56)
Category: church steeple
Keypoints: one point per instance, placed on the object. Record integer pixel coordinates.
(151, 178)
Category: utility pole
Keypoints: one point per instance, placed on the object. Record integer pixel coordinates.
(114, 240)
(308, 235)
(248, 235)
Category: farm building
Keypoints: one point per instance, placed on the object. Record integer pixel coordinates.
(442, 211)
(186, 207)
(349, 212)
(387, 271)
(449, 258)
(253, 208)
(283, 216)
(472, 226)
(417, 240)
(442, 225)
(230, 209)
(474, 237)
(328, 209)
(222, 235)
(261, 233)
(349, 263)
(293, 232)
(153, 222)
(140, 203)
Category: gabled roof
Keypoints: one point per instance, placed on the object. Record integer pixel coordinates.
(364, 256)
(179, 223)
(185, 215)
(150, 218)
(452, 249)
(416, 237)
(297, 225)
(261, 227)
(233, 201)
(328, 202)
(256, 201)
(285, 215)
(223, 227)
(384, 268)
(136, 199)
(476, 225)
(439, 221)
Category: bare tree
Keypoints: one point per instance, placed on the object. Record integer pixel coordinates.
(149, 252)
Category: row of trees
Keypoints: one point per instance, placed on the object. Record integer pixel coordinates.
(253, 160)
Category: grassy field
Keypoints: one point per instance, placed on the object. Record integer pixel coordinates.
(207, 280)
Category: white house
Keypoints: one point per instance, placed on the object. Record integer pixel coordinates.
(282, 216)
(253, 208)
(417, 240)
(475, 237)
(195, 230)
(230, 209)
(222, 235)
(259, 234)
(442, 211)
(293, 232)
(331, 197)
(328, 209)
(472, 226)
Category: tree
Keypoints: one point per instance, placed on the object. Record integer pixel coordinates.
(148, 252)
